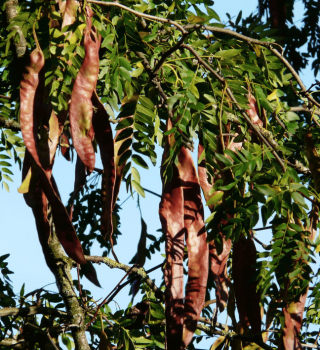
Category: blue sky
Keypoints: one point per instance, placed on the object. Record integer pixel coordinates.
(19, 235)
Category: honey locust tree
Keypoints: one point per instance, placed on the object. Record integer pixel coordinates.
(167, 74)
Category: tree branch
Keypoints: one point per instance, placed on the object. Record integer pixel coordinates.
(61, 266)
(140, 14)
(9, 124)
(139, 271)
(11, 12)
(233, 99)
(32, 310)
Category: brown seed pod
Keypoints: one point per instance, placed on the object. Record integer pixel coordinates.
(196, 240)
(253, 112)
(171, 213)
(218, 262)
(81, 106)
(70, 12)
(103, 134)
(247, 297)
(31, 104)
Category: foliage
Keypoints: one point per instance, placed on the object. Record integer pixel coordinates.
(163, 63)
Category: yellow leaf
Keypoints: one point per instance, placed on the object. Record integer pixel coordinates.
(273, 95)
(24, 188)
(196, 19)
(257, 49)
(73, 39)
(171, 8)
(217, 345)
(143, 34)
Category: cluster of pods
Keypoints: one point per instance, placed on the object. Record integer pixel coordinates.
(181, 209)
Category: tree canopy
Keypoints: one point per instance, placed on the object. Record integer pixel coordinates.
(167, 74)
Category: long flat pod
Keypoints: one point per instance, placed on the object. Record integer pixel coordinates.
(196, 240)
(247, 297)
(81, 106)
(103, 134)
(171, 211)
(218, 262)
(29, 106)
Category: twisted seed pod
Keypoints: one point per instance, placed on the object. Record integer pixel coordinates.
(81, 105)
(171, 211)
(196, 240)
(31, 104)
(103, 134)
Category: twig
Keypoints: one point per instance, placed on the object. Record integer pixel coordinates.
(154, 268)
(140, 14)
(209, 302)
(233, 99)
(5, 97)
(168, 53)
(265, 246)
(139, 271)
(100, 171)
(262, 228)
(108, 298)
(309, 199)
(304, 109)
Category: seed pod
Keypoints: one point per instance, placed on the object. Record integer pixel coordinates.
(218, 262)
(81, 106)
(171, 211)
(196, 240)
(253, 112)
(70, 13)
(247, 298)
(103, 134)
(31, 101)
(30, 105)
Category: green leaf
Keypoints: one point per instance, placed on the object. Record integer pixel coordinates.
(194, 90)
(140, 161)
(226, 161)
(135, 174)
(215, 198)
(138, 188)
(125, 74)
(228, 53)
